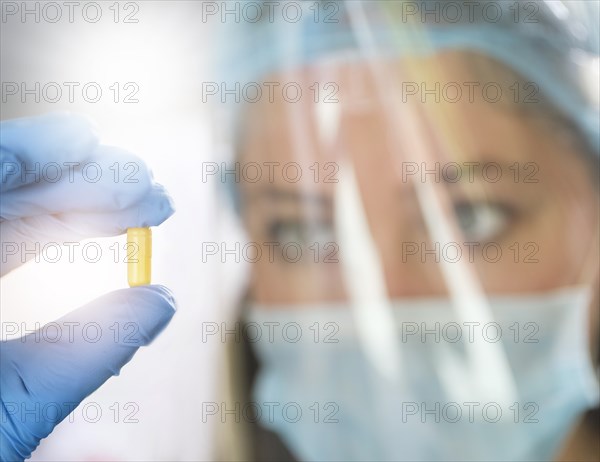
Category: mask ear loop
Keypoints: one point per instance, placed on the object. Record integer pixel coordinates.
(484, 374)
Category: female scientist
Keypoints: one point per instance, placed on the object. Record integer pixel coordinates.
(424, 284)
(441, 301)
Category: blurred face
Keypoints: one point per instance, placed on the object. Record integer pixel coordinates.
(512, 180)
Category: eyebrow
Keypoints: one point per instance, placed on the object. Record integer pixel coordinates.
(281, 195)
(473, 173)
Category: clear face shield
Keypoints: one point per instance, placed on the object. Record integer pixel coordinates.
(421, 213)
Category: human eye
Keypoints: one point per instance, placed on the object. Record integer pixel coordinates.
(483, 221)
(301, 232)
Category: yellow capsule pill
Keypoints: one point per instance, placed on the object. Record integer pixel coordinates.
(139, 256)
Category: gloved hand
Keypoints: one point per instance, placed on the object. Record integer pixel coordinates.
(42, 381)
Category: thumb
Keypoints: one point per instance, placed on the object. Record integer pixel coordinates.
(46, 374)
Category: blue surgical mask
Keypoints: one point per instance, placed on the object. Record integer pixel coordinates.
(349, 412)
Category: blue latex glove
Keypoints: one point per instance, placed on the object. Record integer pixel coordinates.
(41, 382)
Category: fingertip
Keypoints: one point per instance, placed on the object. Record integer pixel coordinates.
(157, 291)
(153, 308)
(150, 308)
(152, 210)
(157, 207)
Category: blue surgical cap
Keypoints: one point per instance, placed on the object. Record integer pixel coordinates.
(543, 41)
